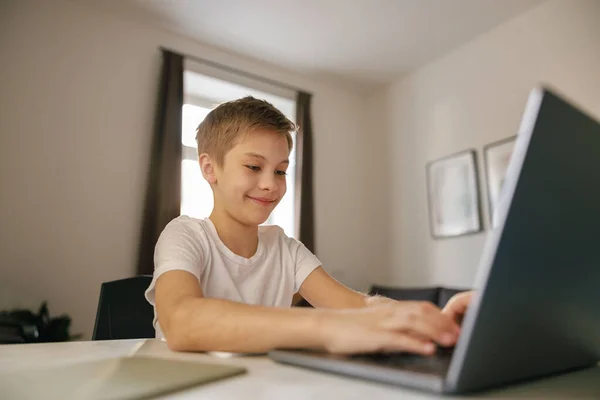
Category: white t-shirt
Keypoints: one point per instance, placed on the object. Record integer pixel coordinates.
(269, 278)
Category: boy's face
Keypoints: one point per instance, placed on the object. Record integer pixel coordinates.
(251, 181)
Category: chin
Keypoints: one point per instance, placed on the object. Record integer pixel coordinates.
(258, 220)
(254, 218)
(254, 215)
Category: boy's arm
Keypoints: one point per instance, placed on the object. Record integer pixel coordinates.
(194, 323)
(191, 322)
(323, 291)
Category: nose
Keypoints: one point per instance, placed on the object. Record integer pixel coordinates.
(268, 182)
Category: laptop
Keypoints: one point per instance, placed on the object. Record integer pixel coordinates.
(537, 308)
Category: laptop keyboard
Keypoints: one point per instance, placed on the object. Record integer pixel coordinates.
(437, 364)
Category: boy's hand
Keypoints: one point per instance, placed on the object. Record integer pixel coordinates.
(388, 325)
(457, 305)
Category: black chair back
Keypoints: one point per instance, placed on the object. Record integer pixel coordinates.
(123, 312)
(436, 295)
(403, 294)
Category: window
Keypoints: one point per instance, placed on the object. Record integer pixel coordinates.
(202, 94)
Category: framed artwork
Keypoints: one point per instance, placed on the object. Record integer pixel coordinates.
(453, 193)
(497, 155)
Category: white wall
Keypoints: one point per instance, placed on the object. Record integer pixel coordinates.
(469, 98)
(77, 96)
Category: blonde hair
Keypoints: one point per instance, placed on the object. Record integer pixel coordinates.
(221, 128)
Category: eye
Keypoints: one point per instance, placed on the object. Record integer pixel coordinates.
(281, 173)
(253, 168)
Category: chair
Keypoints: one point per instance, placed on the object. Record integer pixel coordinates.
(123, 312)
(436, 295)
(411, 294)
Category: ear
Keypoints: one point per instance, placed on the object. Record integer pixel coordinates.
(208, 168)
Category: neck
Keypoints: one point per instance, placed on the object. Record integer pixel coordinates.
(239, 238)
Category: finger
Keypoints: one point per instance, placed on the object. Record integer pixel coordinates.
(426, 312)
(424, 319)
(424, 339)
(452, 311)
(417, 335)
(439, 333)
(455, 313)
(395, 342)
(438, 319)
(457, 305)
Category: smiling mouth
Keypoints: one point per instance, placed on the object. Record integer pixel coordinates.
(261, 201)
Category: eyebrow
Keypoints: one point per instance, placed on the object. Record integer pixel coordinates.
(286, 161)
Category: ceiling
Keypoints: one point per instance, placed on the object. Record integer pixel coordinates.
(365, 42)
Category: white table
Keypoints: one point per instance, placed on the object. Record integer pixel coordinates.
(268, 380)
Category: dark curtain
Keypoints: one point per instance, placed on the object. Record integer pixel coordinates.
(304, 173)
(163, 192)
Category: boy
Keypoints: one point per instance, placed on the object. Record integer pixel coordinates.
(225, 283)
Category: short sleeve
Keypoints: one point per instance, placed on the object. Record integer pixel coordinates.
(178, 248)
(305, 261)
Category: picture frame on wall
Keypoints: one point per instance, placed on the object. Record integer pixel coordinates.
(453, 195)
(496, 157)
